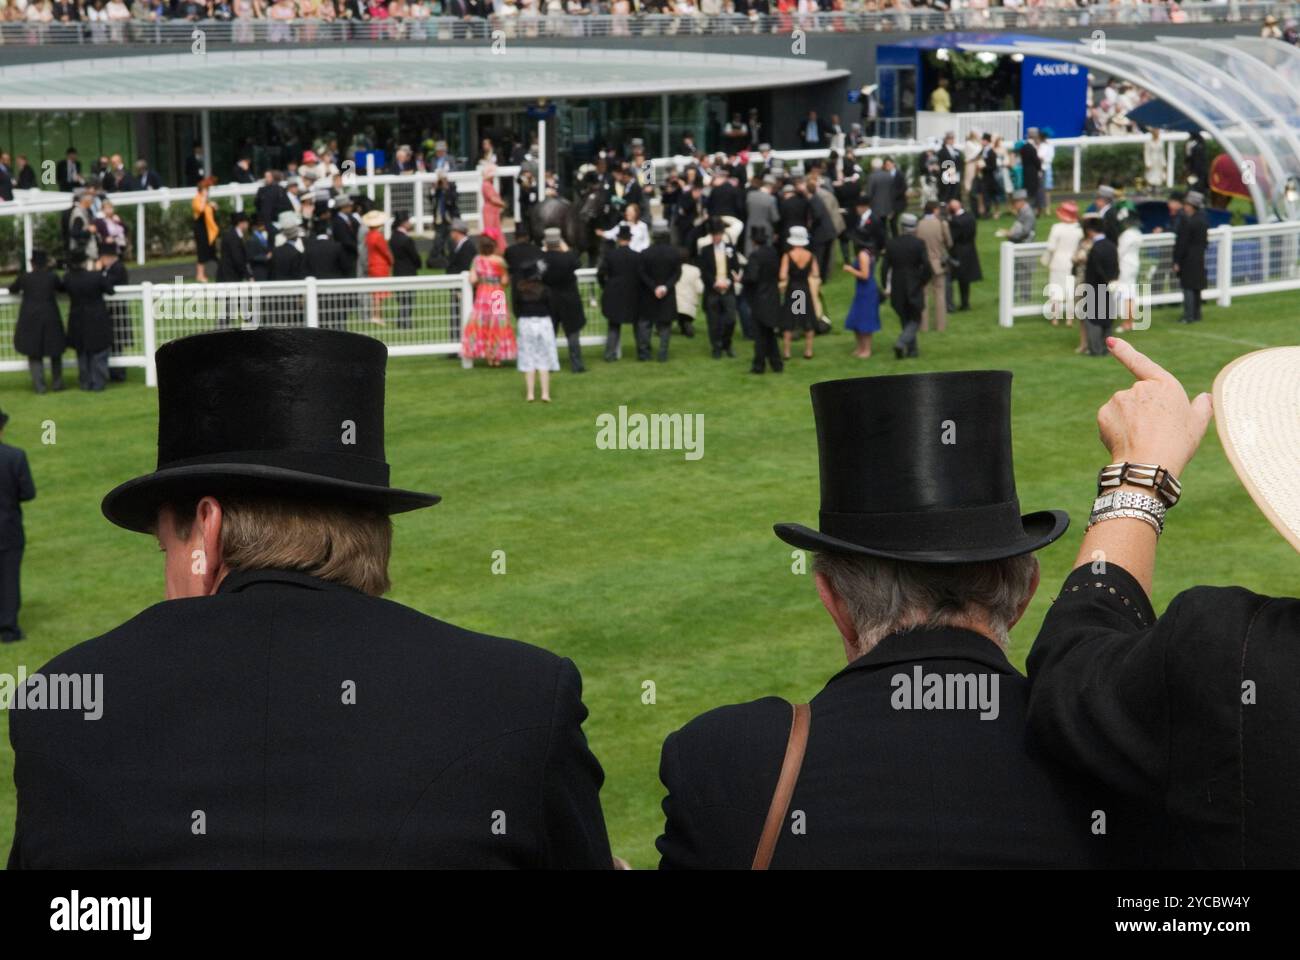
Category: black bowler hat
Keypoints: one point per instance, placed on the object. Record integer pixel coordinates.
(918, 467)
(298, 412)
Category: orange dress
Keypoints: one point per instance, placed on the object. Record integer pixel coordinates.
(379, 263)
(488, 335)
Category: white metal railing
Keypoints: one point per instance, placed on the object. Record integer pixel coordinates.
(410, 192)
(641, 24)
(1239, 261)
(420, 316)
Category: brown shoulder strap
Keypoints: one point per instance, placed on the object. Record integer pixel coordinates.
(790, 767)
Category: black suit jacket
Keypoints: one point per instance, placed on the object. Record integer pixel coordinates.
(905, 269)
(16, 488)
(90, 330)
(345, 232)
(661, 265)
(324, 259)
(880, 786)
(1099, 271)
(707, 263)
(462, 257)
(406, 258)
(1190, 246)
(288, 262)
(232, 262)
(1193, 718)
(259, 255)
(308, 725)
(66, 178)
(619, 275)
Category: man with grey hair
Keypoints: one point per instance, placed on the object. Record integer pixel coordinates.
(915, 754)
(1022, 231)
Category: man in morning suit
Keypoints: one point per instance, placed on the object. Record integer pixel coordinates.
(232, 260)
(904, 273)
(619, 276)
(660, 267)
(1190, 245)
(1096, 300)
(274, 710)
(720, 271)
(16, 488)
(915, 754)
(406, 263)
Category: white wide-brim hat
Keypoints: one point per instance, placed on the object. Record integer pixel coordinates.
(798, 237)
(1257, 409)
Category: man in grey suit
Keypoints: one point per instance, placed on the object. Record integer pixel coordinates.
(1022, 231)
(761, 211)
(16, 487)
(880, 188)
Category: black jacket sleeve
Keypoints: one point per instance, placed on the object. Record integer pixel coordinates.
(572, 777)
(26, 486)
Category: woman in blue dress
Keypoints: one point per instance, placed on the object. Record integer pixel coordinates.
(864, 312)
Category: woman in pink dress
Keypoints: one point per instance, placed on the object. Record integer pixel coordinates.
(492, 206)
(488, 335)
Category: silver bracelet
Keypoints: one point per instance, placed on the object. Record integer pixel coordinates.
(1129, 500)
(1156, 523)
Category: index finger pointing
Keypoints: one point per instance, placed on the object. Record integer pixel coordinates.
(1137, 363)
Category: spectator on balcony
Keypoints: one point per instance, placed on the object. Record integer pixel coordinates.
(145, 179)
(195, 165)
(118, 14)
(941, 99)
(25, 174)
(280, 14)
(812, 132)
(6, 178)
(115, 176)
(68, 173)
(243, 172)
(246, 11)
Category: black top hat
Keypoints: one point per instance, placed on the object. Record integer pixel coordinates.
(284, 412)
(918, 467)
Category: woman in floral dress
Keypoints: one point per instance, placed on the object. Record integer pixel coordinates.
(488, 335)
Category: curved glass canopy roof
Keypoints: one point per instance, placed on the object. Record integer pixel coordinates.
(1244, 92)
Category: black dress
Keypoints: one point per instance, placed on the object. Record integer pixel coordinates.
(797, 310)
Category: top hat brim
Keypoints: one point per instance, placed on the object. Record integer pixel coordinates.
(134, 504)
(1040, 529)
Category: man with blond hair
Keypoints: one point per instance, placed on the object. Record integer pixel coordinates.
(274, 711)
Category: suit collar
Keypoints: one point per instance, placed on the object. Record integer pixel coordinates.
(242, 579)
(940, 643)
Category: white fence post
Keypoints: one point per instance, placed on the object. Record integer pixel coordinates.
(1006, 283)
(139, 234)
(417, 208)
(313, 309)
(370, 174)
(1225, 267)
(1169, 164)
(388, 212)
(466, 299)
(27, 240)
(1078, 168)
(150, 334)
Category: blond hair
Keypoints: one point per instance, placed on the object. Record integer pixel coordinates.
(340, 542)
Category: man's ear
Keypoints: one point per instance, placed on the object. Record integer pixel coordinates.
(838, 610)
(1029, 595)
(206, 537)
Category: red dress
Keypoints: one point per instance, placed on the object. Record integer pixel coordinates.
(379, 262)
(492, 215)
(488, 335)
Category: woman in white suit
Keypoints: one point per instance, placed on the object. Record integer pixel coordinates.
(1130, 258)
(1062, 242)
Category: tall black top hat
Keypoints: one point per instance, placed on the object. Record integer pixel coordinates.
(282, 412)
(918, 467)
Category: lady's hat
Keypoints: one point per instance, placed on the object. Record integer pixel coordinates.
(309, 156)
(281, 412)
(374, 219)
(798, 237)
(918, 467)
(1068, 212)
(553, 236)
(288, 221)
(1257, 409)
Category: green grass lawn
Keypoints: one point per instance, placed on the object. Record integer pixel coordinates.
(642, 565)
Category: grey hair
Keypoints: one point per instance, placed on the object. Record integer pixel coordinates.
(887, 596)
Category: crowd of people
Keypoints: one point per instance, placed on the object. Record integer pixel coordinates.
(279, 21)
